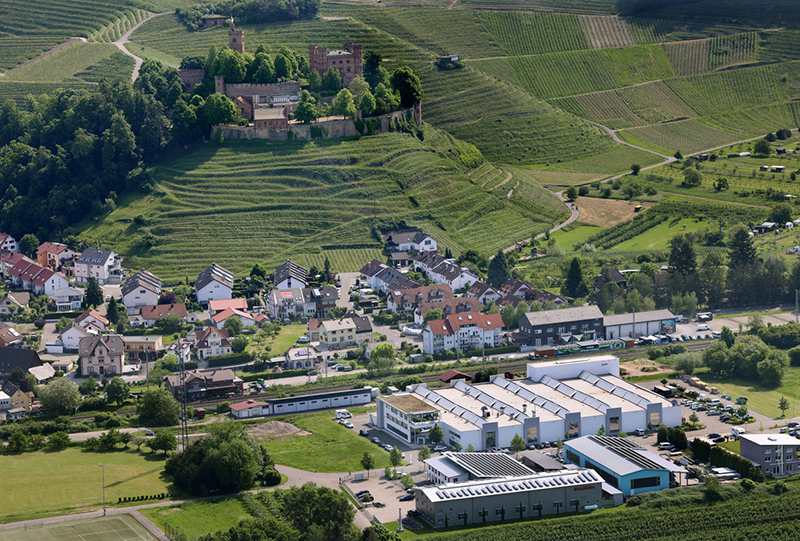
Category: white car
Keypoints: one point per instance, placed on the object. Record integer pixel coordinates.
(702, 328)
(348, 424)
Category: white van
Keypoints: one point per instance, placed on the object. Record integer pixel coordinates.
(640, 431)
(713, 402)
(737, 432)
(343, 414)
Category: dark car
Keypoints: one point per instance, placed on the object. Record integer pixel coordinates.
(406, 497)
(792, 424)
(713, 435)
(702, 408)
(364, 433)
(724, 418)
(412, 513)
(378, 504)
(721, 439)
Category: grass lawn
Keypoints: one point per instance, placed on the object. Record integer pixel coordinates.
(762, 399)
(658, 237)
(328, 445)
(278, 344)
(575, 237)
(732, 446)
(72, 478)
(199, 518)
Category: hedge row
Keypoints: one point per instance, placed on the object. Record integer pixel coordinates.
(231, 358)
(274, 375)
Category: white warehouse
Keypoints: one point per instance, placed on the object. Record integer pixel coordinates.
(559, 399)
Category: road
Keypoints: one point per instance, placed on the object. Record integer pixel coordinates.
(125, 38)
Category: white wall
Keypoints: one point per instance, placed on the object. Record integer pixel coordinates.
(572, 368)
(213, 291)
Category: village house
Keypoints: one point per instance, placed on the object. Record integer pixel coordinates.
(93, 318)
(70, 338)
(324, 299)
(610, 274)
(9, 336)
(11, 358)
(52, 255)
(216, 306)
(296, 358)
(214, 283)
(18, 398)
(103, 265)
(410, 240)
(347, 62)
(8, 260)
(484, 292)
(463, 332)
(284, 303)
(182, 349)
(69, 299)
(276, 118)
(407, 300)
(151, 314)
(205, 384)
(363, 328)
(248, 320)
(338, 334)
(33, 277)
(448, 307)
(381, 276)
(20, 300)
(444, 271)
(290, 275)
(143, 348)
(212, 342)
(141, 289)
(7, 243)
(312, 329)
(101, 355)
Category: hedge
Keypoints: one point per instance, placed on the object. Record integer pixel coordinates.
(231, 358)
(274, 375)
(59, 315)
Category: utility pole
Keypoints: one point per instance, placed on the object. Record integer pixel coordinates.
(103, 470)
(796, 310)
(182, 400)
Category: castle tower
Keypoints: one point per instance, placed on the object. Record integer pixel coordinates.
(235, 38)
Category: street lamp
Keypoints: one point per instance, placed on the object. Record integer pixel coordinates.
(315, 460)
(103, 470)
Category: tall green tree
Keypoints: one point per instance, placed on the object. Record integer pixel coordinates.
(28, 245)
(783, 404)
(93, 295)
(117, 390)
(382, 358)
(306, 110)
(367, 104)
(762, 148)
(407, 85)
(368, 461)
(741, 251)
(159, 408)
(682, 256)
(436, 434)
(343, 104)
(332, 80)
(60, 396)
(499, 272)
(575, 285)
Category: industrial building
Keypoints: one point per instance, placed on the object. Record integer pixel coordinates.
(549, 327)
(497, 500)
(559, 399)
(639, 324)
(460, 467)
(775, 454)
(623, 464)
(297, 404)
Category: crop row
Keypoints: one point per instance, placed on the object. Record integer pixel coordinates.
(347, 260)
(688, 57)
(581, 72)
(779, 45)
(608, 108)
(654, 102)
(557, 178)
(116, 66)
(70, 18)
(612, 236)
(604, 32)
(499, 68)
(119, 25)
(19, 92)
(535, 33)
(732, 50)
(64, 63)
(15, 51)
(649, 30)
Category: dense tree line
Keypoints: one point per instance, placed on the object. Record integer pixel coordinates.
(251, 11)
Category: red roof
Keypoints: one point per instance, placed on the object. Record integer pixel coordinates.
(162, 310)
(246, 405)
(454, 374)
(12, 258)
(485, 321)
(222, 304)
(51, 247)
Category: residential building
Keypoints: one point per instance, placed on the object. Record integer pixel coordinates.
(18, 397)
(9, 260)
(216, 306)
(525, 291)
(639, 324)
(151, 314)
(92, 317)
(297, 358)
(101, 355)
(70, 339)
(407, 300)
(400, 259)
(323, 298)
(377, 275)
(5, 403)
(313, 328)
(247, 319)
(247, 409)
(35, 278)
(450, 306)
(11, 358)
(290, 275)
(182, 349)
(495, 500)
(214, 283)
(347, 62)
(339, 333)
(363, 328)
(212, 342)
(143, 348)
(51, 255)
(775, 454)
(483, 291)
(141, 289)
(463, 332)
(205, 384)
(43, 373)
(623, 463)
(7, 243)
(548, 327)
(103, 265)
(290, 302)
(64, 365)
(9, 336)
(444, 271)
(309, 402)
(69, 299)
(610, 274)
(410, 240)
(19, 299)
(571, 398)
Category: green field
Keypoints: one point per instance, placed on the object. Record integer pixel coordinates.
(117, 528)
(575, 238)
(335, 448)
(64, 63)
(199, 518)
(287, 336)
(73, 479)
(764, 400)
(535, 33)
(658, 237)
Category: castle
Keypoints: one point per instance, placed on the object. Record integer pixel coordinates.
(235, 38)
(347, 62)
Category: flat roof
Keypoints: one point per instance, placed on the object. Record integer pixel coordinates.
(563, 315)
(407, 403)
(566, 403)
(620, 455)
(542, 460)
(489, 465)
(647, 394)
(445, 466)
(641, 317)
(487, 487)
(516, 401)
(771, 439)
(607, 398)
(475, 406)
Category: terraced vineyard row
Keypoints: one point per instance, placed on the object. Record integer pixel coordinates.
(607, 107)
(732, 50)
(582, 72)
(119, 25)
(649, 30)
(654, 102)
(779, 45)
(556, 178)
(685, 136)
(345, 260)
(535, 33)
(604, 32)
(499, 68)
(688, 57)
(64, 63)
(116, 66)
(15, 51)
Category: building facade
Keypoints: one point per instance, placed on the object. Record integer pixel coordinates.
(639, 324)
(549, 327)
(462, 332)
(775, 454)
(339, 333)
(347, 62)
(103, 265)
(101, 355)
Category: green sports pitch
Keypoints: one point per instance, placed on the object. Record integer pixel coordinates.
(118, 528)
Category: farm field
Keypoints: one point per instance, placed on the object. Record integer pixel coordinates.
(658, 237)
(336, 448)
(603, 32)
(64, 63)
(535, 33)
(127, 473)
(199, 518)
(605, 212)
(292, 199)
(575, 238)
(116, 528)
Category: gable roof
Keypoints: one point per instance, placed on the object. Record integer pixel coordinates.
(9, 335)
(478, 289)
(238, 303)
(422, 294)
(77, 328)
(19, 298)
(438, 264)
(388, 275)
(113, 342)
(163, 310)
(402, 236)
(452, 323)
(454, 374)
(201, 336)
(52, 248)
(362, 323)
(229, 312)
(142, 279)
(451, 306)
(92, 256)
(91, 312)
(290, 269)
(321, 295)
(214, 273)
(11, 358)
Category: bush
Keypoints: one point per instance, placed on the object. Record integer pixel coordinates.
(231, 358)
(271, 477)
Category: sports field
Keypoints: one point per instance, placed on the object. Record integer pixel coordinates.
(119, 528)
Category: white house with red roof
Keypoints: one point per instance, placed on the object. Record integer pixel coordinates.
(9, 260)
(218, 305)
(407, 300)
(92, 318)
(212, 342)
(247, 319)
(8, 243)
(249, 408)
(470, 330)
(53, 254)
(33, 277)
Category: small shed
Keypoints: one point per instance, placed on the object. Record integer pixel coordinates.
(453, 375)
(778, 168)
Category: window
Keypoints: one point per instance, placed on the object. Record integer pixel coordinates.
(533, 433)
(572, 457)
(573, 429)
(520, 509)
(767, 459)
(613, 425)
(574, 503)
(645, 482)
(561, 330)
(538, 331)
(573, 327)
(462, 515)
(655, 418)
(499, 512)
(768, 451)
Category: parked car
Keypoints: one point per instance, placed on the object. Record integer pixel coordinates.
(361, 493)
(721, 439)
(312, 372)
(364, 433)
(703, 327)
(409, 491)
(715, 334)
(388, 447)
(376, 441)
(724, 418)
(783, 430)
(440, 448)
(348, 424)
(713, 435)
(793, 424)
(702, 408)
(412, 513)
(406, 498)
(712, 413)
(378, 504)
(303, 340)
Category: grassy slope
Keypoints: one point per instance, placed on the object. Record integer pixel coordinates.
(199, 518)
(256, 201)
(72, 477)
